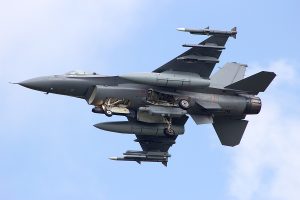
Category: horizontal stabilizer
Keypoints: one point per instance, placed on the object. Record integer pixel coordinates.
(255, 83)
(230, 131)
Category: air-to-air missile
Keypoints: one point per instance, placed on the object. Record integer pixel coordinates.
(145, 156)
(207, 31)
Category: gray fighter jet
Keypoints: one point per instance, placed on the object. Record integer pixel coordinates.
(157, 104)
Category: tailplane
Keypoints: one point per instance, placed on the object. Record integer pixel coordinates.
(255, 83)
(230, 131)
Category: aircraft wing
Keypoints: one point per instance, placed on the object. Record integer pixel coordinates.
(160, 143)
(155, 143)
(154, 147)
(200, 59)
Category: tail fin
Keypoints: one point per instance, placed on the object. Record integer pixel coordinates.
(230, 73)
(230, 131)
(255, 83)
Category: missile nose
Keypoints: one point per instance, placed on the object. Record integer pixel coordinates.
(40, 83)
(180, 29)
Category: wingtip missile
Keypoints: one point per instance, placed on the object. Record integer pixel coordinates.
(113, 158)
(207, 31)
(180, 29)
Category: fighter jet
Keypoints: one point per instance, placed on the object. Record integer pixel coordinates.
(157, 104)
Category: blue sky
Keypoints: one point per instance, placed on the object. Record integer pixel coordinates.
(49, 148)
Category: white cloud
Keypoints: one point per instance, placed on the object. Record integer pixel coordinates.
(285, 70)
(266, 164)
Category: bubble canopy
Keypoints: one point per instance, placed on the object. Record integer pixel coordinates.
(80, 72)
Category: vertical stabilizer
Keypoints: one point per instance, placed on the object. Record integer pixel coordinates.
(228, 74)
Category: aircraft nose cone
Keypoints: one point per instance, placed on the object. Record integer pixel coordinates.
(40, 84)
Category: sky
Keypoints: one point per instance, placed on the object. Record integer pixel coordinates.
(49, 148)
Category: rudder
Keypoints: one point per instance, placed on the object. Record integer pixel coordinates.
(228, 74)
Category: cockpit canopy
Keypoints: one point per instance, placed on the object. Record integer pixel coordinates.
(80, 72)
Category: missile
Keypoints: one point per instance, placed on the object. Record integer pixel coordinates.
(144, 156)
(169, 79)
(207, 31)
(138, 128)
(139, 160)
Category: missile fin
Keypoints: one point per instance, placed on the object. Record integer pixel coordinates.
(234, 31)
(165, 163)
